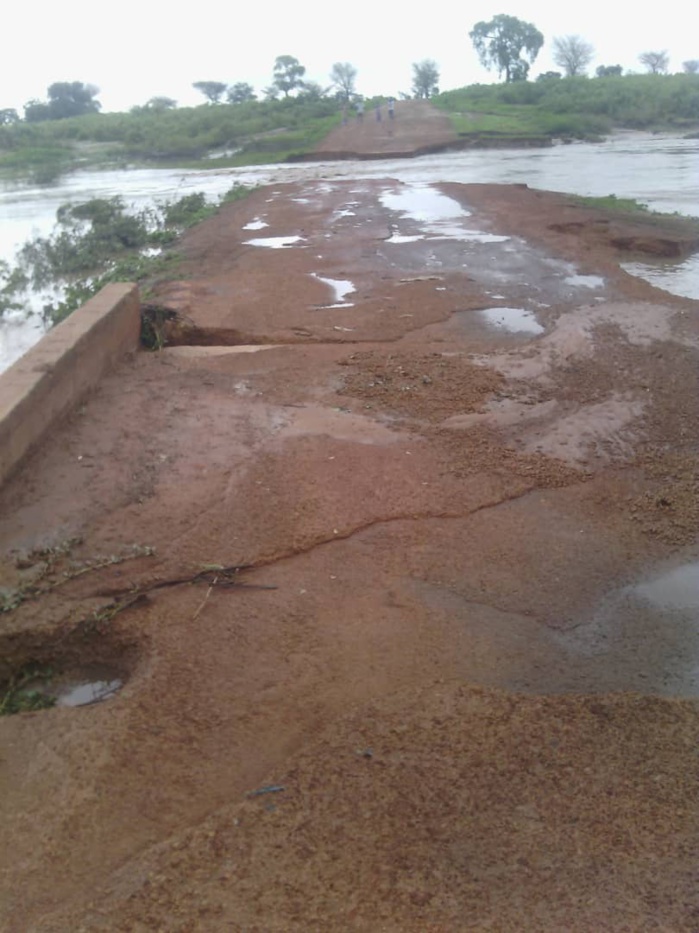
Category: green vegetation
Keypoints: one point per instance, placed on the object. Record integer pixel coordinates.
(507, 45)
(65, 99)
(98, 242)
(574, 107)
(632, 209)
(288, 74)
(425, 79)
(242, 133)
(612, 203)
(20, 695)
(343, 75)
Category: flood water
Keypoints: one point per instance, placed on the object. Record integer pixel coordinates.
(658, 170)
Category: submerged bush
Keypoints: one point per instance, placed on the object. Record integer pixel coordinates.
(100, 241)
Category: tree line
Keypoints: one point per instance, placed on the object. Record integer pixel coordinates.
(504, 44)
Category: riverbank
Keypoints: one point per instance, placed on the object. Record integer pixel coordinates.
(420, 479)
(519, 114)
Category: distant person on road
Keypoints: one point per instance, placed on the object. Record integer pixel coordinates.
(378, 113)
(391, 107)
(360, 111)
(344, 115)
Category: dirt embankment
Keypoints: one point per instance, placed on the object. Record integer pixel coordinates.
(417, 128)
(411, 650)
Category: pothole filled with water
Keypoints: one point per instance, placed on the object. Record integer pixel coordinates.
(676, 589)
(584, 281)
(274, 242)
(340, 288)
(36, 686)
(256, 224)
(86, 692)
(84, 668)
(515, 320)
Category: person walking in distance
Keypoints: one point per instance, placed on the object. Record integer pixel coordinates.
(391, 107)
(360, 111)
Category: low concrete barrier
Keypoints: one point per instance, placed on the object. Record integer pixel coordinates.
(49, 380)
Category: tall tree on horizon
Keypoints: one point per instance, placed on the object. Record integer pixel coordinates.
(288, 74)
(508, 45)
(656, 63)
(572, 54)
(425, 79)
(343, 76)
(212, 90)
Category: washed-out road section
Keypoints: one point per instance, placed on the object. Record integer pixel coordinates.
(451, 446)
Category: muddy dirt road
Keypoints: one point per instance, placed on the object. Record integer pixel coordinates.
(416, 127)
(453, 447)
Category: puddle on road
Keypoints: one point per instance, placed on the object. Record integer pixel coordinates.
(398, 238)
(81, 687)
(515, 320)
(645, 635)
(471, 236)
(677, 589)
(340, 287)
(436, 213)
(423, 203)
(678, 278)
(274, 242)
(256, 224)
(84, 694)
(344, 213)
(584, 281)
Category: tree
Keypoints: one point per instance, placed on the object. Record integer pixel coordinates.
(160, 104)
(343, 76)
(655, 62)
(36, 110)
(572, 54)
(549, 76)
(425, 78)
(691, 67)
(212, 90)
(66, 99)
(7, 116)
(508, 45)
(609, 71)
(288, 74)
(240, 93)
(311, 90)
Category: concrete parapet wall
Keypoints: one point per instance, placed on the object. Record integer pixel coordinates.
(49, 380)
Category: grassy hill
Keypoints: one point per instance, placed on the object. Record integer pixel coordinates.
(577, 108)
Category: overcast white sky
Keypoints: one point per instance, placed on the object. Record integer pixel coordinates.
(136, 50)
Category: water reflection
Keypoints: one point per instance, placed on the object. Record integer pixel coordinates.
(515, 320)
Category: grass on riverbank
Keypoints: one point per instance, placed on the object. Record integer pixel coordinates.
(631, 209)
(202, 137)
(577, 108)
